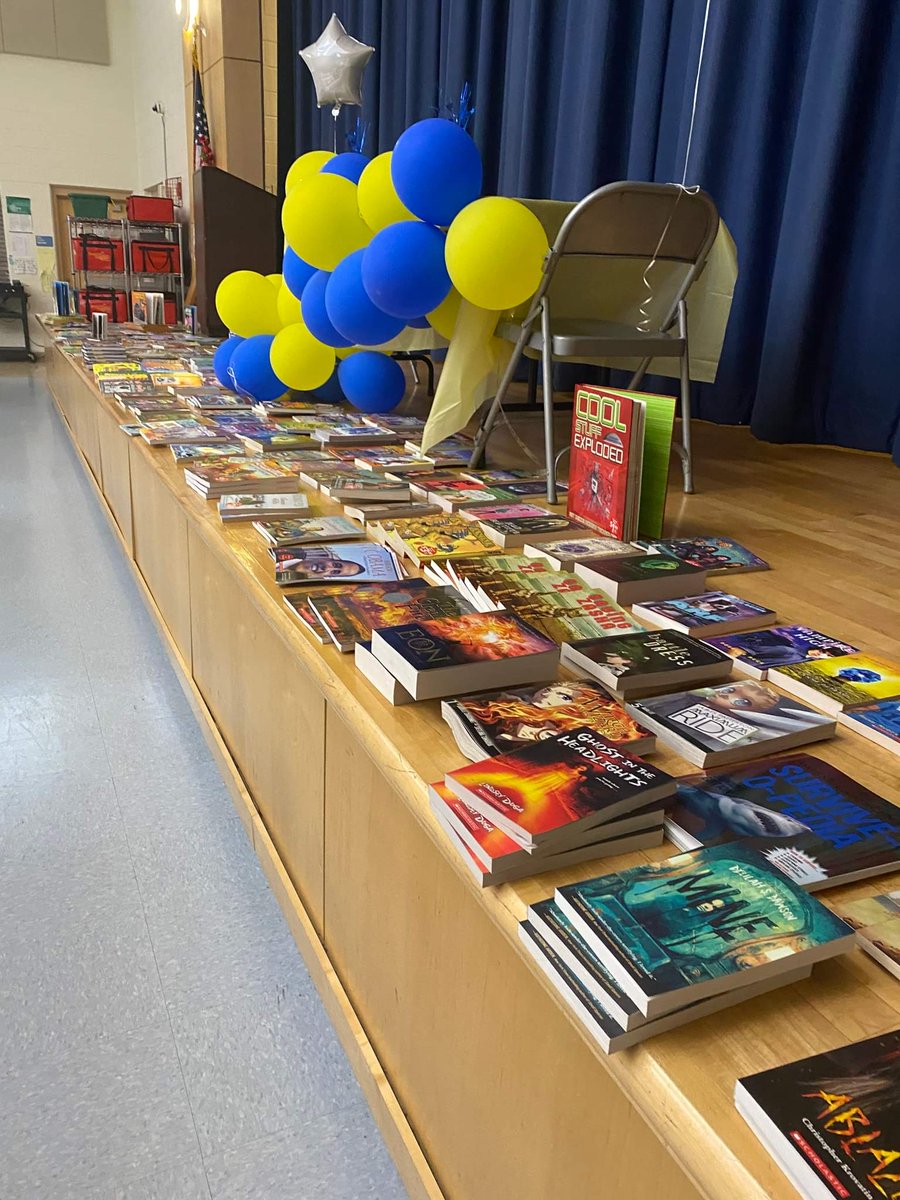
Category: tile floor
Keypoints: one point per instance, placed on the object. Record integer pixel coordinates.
(160, 1038)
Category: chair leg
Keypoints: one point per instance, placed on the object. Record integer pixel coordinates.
(684, 450)
(429, 367)
(547, 389)
(637, 378)
(532, 381)
(415, 373)
(487, 424)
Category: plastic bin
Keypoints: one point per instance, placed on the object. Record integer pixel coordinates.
(88, 205)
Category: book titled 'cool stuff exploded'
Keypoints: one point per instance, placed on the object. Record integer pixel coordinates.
(606, 454)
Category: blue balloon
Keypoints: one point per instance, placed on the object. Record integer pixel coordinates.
(350, 164)
(330, 392)
(419, 323)
(372, 382)
(351, 311)
(436, 170)
(252, 371)
(315, 316)
(296, 272)
(222, 358)
(403, 269)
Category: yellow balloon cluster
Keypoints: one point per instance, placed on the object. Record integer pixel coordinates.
(495, 252)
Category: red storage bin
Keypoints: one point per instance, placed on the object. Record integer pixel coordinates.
(150, 208)
(92, 253)
(170, 309)
(107, 300)
(155, 258)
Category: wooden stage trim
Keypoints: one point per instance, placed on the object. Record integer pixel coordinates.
(481, 1081)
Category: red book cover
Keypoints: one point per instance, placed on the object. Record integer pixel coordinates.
(598, 468)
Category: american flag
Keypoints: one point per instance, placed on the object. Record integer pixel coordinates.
(203, 151)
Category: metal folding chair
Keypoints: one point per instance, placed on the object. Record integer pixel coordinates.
(648, 222)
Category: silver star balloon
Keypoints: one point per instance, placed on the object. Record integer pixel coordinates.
(336, 62)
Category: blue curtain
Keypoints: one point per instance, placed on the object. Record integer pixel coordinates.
(796, 138)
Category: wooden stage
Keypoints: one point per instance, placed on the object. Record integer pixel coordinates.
(483, 1085)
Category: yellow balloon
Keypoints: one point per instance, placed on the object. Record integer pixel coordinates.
(247, 304)
(288, 307)
(345, 351)
(379, 203)
(443, 318)
(307, 164)
(321, 221)
(495, 252)
(276, 280)
(299, 360)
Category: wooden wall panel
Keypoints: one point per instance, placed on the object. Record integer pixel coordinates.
(269, 712)
(116, 470)
(503, 1095)
(161, 546)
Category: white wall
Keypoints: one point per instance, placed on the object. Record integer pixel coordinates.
(158, 75)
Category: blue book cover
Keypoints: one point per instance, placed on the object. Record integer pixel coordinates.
(762, 649)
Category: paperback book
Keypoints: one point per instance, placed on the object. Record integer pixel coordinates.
(184, 452)
(513, 532)
(760, 650)
(495, 722)
(362, 562)
(303, 530)
(642, 578)
(373, 511)
(879, 722)
(706, 613)
(731, 723)
(563, 553)
(253, 506)
(164, 433)
(606, 460)
(804, 816)
(876, 920)
(517, 510)
(379, 676)
(639, 664)
(715, 555)
(213, 479)
(837, 683)
(699, 924)
(350, 616)
(441, 540)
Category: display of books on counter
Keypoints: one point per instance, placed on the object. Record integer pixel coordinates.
(699, 924)
(493, 857)
(715, 555)
(830, 1121)
(876, 920)
(643, 578)
(257, 475)
(806, 817)
(362, 562)
(379, 676)
(879, 722)
(451, 655)
(350, 616)
(512, 532)
(494, 722)
(760, 650)
(705, 614)
(563, 553)
(303, 530)
(593, 993)
(639, 664)
(258, 505)
(834, 684)
(555, 794)
(731, 723)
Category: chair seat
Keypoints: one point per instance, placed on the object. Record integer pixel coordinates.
(584, 338)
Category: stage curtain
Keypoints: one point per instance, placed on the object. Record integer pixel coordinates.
(797, 138)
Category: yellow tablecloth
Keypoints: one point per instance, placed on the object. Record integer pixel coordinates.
(476, 359)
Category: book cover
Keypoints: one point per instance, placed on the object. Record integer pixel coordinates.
(804, 816)
(227, 471)
(659, 422)
(574, 778)
(595, 615)
(698, 923)
(602, 426)
(762, 649)
(504, 512)
(574, 549)
(530, 525)
(630, 656)
(472, 638)
(163, 433)
(732, 716)
(876, 920)
(848, 680)
(832, 1121)
(879, 721)
(531, 487)
(186, 452)
(350, 616)
(632, 569)
(716, 555)
(299, 530)
(255, 503)
(510, 720)
(709, 608)
(447, 541)
(363, 562)
(490, 844)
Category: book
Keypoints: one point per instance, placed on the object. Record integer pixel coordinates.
(565, 785)
(876, 920)
(834, 684)
(513, 532)
(299, 605)
(252, 506)
(366, 512)
(643, 578)
(303, 530)
(563, 553)
(494, 722)
(171, 379)
(699, 924)
(758, 650)
(164, 433)
(350, 616)
(451, 452)
(453, 495)
(639, 664)
(494, 858)
(366, 485)
(447, 656)
(362, 562)
(353, 435)
(706, 613)
(441, 540)
(266, 441)
(879, 722)
(715, 555)
(392, 460)
(606, 459)
(215, 403)
(379, 676)
(504, 512)
(131, 430)
(184, 452)
(257, 475)
(830, 1121)
(804, 816)
(597, 1016)
(732, 722)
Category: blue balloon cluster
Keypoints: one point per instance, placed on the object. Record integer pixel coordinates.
(350, 309)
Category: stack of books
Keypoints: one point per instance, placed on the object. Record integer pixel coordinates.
(184, 452)
(302, 531)
(351, 615)
(166, 431)
(260, 505)
(756, 652)
(230, 475)
(370, 512)
(645, 949)
(641, 579)
(563, 553)
(433, 538)
(641, 664)
(714, 555)
(568, 799)
(706, 614)
(510, 526)
(842, 683)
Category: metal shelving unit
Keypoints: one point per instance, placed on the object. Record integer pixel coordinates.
(129, 280)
